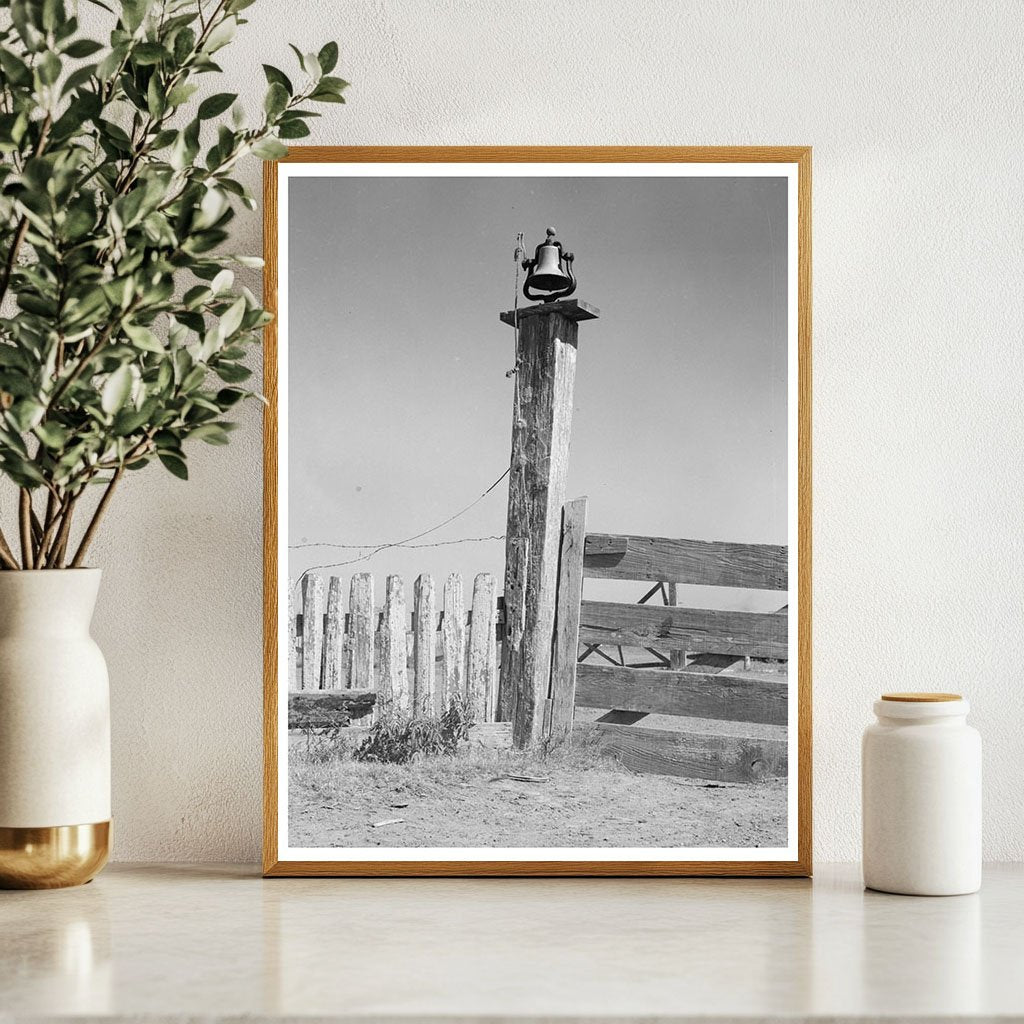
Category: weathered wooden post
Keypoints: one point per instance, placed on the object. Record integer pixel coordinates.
(541, 428)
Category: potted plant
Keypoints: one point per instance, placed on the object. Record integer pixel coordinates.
(122, 342)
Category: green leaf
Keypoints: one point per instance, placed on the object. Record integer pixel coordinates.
(144, 338)
(276, 99)
(328, 57)
(174, 464)
(216, 104)
(233, 373)
(78, 78)
(16, 70)
(222, 281)
(53, 435)
(181, 94)
(83, 48)
(149, 53)
(49, 68)
(334, 84)
(221, 35)
(211, 433)
(269, 149)
(26, 413)
(232, 319)
(116, 390)
(293, 130)
(276, 76)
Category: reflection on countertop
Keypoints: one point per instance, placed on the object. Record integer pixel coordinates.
(178, 941)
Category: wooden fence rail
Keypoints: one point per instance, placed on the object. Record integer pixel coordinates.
(393, 661)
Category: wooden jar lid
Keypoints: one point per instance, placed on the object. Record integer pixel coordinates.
(921, 698)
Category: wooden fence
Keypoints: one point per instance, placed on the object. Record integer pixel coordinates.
(707, 687)
(350, 654)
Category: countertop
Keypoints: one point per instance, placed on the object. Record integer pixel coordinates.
(176, 942)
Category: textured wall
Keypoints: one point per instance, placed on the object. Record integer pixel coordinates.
(913, 110)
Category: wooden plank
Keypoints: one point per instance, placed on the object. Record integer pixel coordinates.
(567, 620)
(294, 641)
(334, 637)
(453, 644)
(361, 630)
(690, 754)
(572, 309)
(541, 428)
(481, 689)
(424, 646)
(685, 629)
(312, 630)
(708, 563)
(733, 698)
(318, 709)
(393, 684)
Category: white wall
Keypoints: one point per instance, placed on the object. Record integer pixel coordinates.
(914, 113)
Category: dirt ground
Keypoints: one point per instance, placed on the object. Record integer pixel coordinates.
(584, 800)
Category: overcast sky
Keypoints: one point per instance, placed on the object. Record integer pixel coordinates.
(400, 410)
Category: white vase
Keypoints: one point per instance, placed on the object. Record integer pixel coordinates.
(921, 774)
(54, 731)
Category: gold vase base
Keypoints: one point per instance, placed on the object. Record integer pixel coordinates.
(52, 857)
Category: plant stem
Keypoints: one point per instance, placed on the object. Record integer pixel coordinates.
(6, 554)
(60, 542)
(94, 523)
(25, 523)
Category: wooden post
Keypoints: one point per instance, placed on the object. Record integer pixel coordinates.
(541, 428)
(480, 692)
(567, 621)
(453, 640)
(294, 641)
(361, 630)
(393, 688)
(312, 630)
(677, 659)
(424, 646)
(334, 636)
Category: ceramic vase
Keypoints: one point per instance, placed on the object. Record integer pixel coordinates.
(54, 731)
(921, 769)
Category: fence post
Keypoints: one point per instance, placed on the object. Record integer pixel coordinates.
(360, 606)
(393, 684)
(334, 637)
(567, 620)
(541, 428)
(294, 639)
(424, 646)
(312, 630)
(481, 691)
(453, 640)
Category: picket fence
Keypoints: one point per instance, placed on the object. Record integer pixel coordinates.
(414, 663)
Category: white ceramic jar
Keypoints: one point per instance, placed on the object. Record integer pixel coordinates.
(921, 778)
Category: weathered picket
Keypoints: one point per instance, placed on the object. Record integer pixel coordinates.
(342, 649)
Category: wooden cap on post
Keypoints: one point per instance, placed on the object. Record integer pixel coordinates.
(572, 309)
(921, 698)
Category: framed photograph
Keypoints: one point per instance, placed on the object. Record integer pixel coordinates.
(470, 667)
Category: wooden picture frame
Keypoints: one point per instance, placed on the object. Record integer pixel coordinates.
(799, 863)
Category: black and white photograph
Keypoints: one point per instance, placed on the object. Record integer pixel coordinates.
(537, 512)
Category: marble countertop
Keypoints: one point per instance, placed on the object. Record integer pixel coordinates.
(174, 942)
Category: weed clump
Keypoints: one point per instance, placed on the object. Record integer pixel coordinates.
(396, 738)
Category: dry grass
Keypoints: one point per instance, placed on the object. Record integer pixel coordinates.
(468, 800)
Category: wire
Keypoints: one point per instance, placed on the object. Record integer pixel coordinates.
(407, 541)
(362, 547)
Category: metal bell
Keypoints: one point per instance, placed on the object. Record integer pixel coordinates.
(549, 272)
